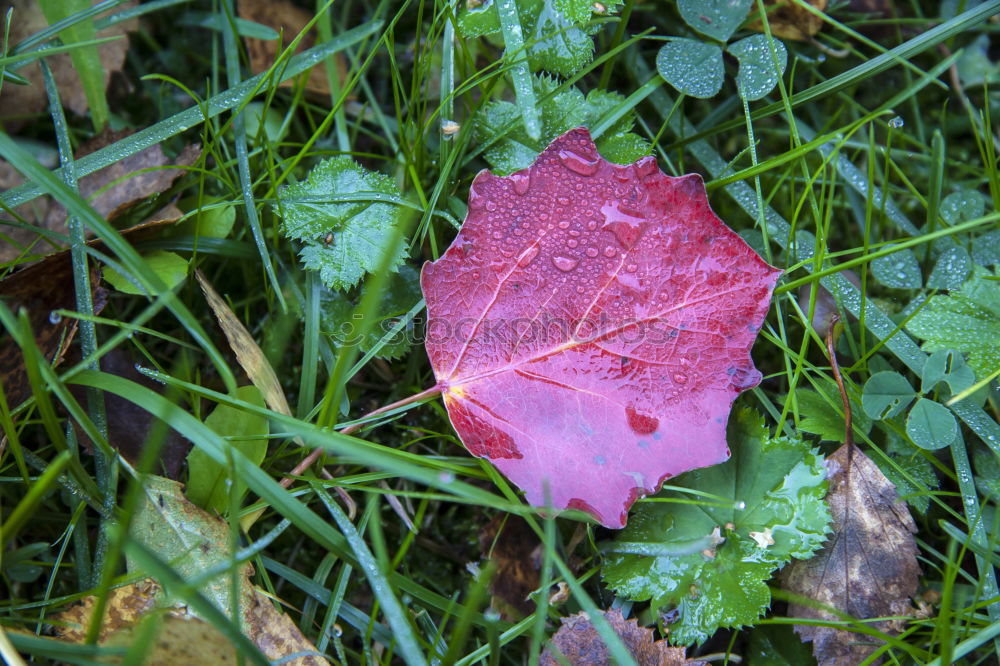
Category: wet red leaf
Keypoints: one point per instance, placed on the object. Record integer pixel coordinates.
(590, 327)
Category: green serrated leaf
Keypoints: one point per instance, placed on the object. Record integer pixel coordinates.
(718, 19)
(692, 67)
(931, 425)
(560, 112)
(557, 33)
(966, 320)
(337, 315)
(899, 270)
(168, 266)
(823, 415)
(209, 482)
(757, 75)
(886, 394)
(710, 559)
(343, 240)
(190, 540)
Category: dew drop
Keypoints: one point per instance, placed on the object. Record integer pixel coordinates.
(609, 252)
(645, 167)
(626, 227)
(680, 378)
(54, 317)
(564, 263)
(577, 163)
(572, 242)
(528, 256)
(497, 235)
(592, 252)
(631, 268)
(564, 224)
(521, 181)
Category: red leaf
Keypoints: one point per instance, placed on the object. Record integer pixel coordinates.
(590, 327)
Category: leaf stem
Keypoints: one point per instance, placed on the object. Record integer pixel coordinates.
(307, 462)
(848, 429)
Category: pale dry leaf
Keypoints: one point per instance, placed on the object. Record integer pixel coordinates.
(867, 569)
(247, 351)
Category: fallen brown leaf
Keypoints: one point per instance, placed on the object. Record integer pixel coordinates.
(41, 289)
(126, 605)
(183, 638)
(289, 20)
(19, 102)
(867, 569)
(111, 191)
(788, 20)
(578, 642)
(516, 551)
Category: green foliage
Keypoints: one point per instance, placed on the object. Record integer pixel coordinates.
(512, 149)
(899, 270)
(931, 425)
(966, 320)
(717, 19)
(189, 539)
(822, 414)
(691, 66)
(759, 69)
(696, 68)
(710, 559)
(886, 394)
(210, 485)
(338, 322)
(557, 33)
(170, 267)
(340, 215)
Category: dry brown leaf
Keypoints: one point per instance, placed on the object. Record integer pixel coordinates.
(126, 605)
(578, 642)
(18, 102)
(788, 20)
(276, 635)
(42, 288)
(181, 641)
(287, 19)
(111, 190)
(516, 551)
(867, 569)
(129, 426)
